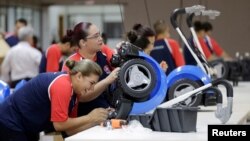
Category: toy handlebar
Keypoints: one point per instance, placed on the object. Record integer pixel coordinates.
(224, 113)
(190, 20)
(189, 10)
(194, 9)
(210, 13)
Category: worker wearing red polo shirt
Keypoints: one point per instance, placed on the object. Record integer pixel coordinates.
(88, 39)
(212, 44)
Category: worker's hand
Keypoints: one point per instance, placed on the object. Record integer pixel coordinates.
(110, 109)
(112, 113)
(164, 65)
(113, 75)
(98, 115)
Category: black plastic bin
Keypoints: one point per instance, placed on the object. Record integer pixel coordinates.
(144, 119)
(181, 119)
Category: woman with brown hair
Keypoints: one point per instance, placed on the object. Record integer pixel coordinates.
(51, 99)
(87, 37)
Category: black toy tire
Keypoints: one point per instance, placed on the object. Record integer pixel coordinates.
(143, 90)
(184, 83)
(225, 68)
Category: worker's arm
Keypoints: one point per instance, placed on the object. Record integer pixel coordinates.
(74, 125)
(100, 86)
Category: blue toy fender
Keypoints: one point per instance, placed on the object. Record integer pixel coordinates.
(188, 72)
(4, 91)
(158, 94)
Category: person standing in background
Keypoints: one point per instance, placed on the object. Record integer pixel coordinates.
(144, 38)
(22, 61)
(12, 38)
(198, 27)
(165, 48)
(52, 60)
(212, 44)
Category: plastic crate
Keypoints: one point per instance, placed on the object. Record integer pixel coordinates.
(144, 119)
(181, 119)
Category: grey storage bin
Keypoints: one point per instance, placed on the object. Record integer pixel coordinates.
(179, 119)
(144, 119)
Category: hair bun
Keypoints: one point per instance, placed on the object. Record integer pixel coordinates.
(70, 64)
(132, 36)
(137, 26)
(70, 32)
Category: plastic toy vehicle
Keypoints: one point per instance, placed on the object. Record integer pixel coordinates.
(143, 86)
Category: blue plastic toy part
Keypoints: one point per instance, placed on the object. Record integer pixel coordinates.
(189, 72)
(20, 84)
(159, 92)
(163, 83)
(4, 91)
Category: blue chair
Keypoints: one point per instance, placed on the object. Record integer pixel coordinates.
(4, 91)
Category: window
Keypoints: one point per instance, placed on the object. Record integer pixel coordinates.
(113, 29)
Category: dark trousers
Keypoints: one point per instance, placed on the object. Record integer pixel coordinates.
(10, 135)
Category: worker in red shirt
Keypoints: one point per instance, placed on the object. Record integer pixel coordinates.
(198, 27)
(144, 38)
(212, 44)
(52, 60)
(90, 45)
(50, 100)
(165, 48)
